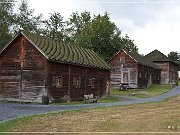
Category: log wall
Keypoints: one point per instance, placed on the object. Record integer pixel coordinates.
(70, 92)
(22, 72)
(127, 70)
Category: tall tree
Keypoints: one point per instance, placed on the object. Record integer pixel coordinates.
(103, 36)
(76, 23)
(175, 56)
(55, 27)
(6, 21)
(26, 20)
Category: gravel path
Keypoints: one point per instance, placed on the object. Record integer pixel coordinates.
(13, 110)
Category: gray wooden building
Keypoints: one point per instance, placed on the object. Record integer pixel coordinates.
(169, 69)
(133, 70)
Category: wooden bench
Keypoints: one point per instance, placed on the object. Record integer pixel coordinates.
(90, 98)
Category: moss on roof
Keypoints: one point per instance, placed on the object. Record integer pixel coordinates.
(65, 53)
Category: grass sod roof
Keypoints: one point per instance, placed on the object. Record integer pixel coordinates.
(65, 53)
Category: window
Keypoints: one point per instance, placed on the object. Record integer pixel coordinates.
(57, 81)
(145, 75)
(140, 75)
(158, 78)
(77, 82)
(92, 82)
(122, 60)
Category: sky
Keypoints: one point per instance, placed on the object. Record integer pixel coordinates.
(152, 24)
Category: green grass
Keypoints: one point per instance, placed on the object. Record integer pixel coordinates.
(150, 91)
(70, 103)
(108, 99)
(4, 127)
(130, 118)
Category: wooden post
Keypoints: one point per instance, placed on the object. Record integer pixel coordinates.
(99, 83)
(22, 53)
(46, 80)
(69, 82)
(85, 82)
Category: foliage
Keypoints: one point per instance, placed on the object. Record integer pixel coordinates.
(103, 36)
(175, 56)
(76, 23)
(26, 20)
(55, 27)
(97, 33)
(6, 21)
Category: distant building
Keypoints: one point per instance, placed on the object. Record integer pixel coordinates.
(133, 70)
(169, 69)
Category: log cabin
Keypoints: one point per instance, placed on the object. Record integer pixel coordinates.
(169, 69)
(133, 70)
(32, 66)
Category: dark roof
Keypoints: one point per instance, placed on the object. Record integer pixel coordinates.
(139, 59)
(143, 61)
(65, 53)
(157, 56)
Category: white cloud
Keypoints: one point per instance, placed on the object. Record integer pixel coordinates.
(64, 7)
(151, 25)
(162, 33)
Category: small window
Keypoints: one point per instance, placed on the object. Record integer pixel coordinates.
(122, 60)
(57, 81)
(158, 78)
(92, 82)
(145, 75)
(77, 82)
(140, 75)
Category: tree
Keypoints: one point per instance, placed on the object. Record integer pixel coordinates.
(103, 36)
(175, 56)
(6, 21)
(55, 27)
(76, 23)
(26, 20)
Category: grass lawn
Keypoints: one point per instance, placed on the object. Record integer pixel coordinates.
(150, 117)
(106, 99)
(153, 90)
(150, 91)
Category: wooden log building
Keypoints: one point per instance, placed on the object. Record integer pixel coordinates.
(32, 66)
(133, 70)
(169, 69)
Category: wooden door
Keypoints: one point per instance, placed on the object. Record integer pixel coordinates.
(126, 77)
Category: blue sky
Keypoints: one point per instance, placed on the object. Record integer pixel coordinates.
(152, 24)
